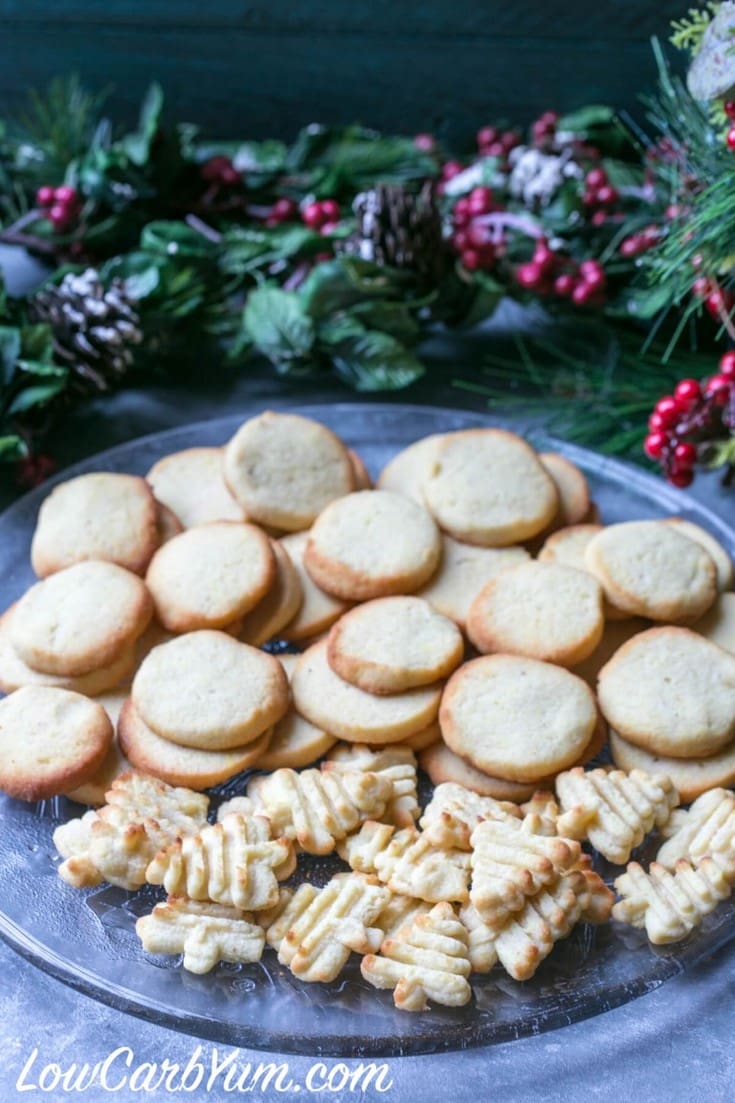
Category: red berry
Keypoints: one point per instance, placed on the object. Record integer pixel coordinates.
(479, 236)
(451, 169)
(544, 257)
(607, 195)
(59, 216)
(460, 241)
(330, 210)
(471, 259)
(589, 198)
(486, 136)
(481, 201)
(530, 276)
(685, 454)
(583, 293)
(509, 139)
(229, 175)
(327, 228)
(599, 218)
(681, 476)
(495, 149)
(656, 422)
(701, 287)
(284, 209)
(718, 303)
(654, 444)
(212, 168)
(425, 142)
(727, 365)
(667, 409)
(564, 284)
(45, 195)
(595, 178)
(731, 138)
(632, 246)
(729, 108)
(718, 387)
(66, 195)
(686, 393)
(313, 216)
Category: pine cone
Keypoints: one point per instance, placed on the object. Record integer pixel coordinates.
(400, 229)
(94, 329)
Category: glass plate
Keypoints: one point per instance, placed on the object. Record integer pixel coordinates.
(87, 938)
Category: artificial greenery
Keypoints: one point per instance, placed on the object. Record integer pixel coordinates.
(223, 251)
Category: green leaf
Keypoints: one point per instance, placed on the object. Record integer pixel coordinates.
(585, 118)
(35, 396)
(260, 157)
(12, 448)
(138, 144)
(38, 342)
(483, 303)
(173, 239)
(43, 369)
(395, 318)
(347, 281)
(375, 361)
(9, 351)
(278, 324)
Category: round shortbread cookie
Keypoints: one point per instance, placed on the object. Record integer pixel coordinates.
(192, 484)
(176, 765)
(319, 610)
(15, 674)
(360, 472)
(348, 712)
(517, 718)
(718, 623)
(99, 516)
(80, 619)
(168, 523)
(295, 743)
(407, 472)
(462, 573)
(616, 633)
(722, 561)
(442, 764)
(51, 740)
(208, 691)
(393, 644)
(94, 790)
(541, 610)
(372, 543)
(279, 606)
(691, 776)
(567, 546)
(284, 469)
(210, 575)
(648, 569)
(571, 486)
(671, 692)
(487, 486)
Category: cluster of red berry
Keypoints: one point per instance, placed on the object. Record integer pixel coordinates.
(492, 142)
(221, 172)
(685, 423)
(472, 238)
(283, 210)
(599, 195)
(322, 215)
(718, 301)
(60, 205)
(551, 273)
(543, 131)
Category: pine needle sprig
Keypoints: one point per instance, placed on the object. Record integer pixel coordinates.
(58, 124)
(687, 33)
(593, 389)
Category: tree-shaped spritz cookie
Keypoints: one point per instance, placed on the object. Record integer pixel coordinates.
(203, 932)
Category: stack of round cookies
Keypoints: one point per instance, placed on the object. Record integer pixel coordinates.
(160, 593)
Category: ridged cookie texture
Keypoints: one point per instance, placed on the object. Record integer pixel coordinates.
(283, 469)
(204, 933)
(691, 776)
(408, 862)
(396, 763)
(487, 486)
(370, 544)
(670, 905)
(671, 692)
(495, 713)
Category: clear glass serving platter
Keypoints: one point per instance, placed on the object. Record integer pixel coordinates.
(87, 938)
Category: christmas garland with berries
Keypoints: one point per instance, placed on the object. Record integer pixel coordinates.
(343, 251)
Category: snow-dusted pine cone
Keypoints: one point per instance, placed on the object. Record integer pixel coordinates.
(398, 228)
(95, 329)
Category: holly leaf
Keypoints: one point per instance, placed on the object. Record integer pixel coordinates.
(395, 318)
(10, 342)
(374, 361)
(278, 324)
(138, 144)
(176, 239)
(36, 395)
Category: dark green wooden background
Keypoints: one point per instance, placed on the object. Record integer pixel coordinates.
(268, 66)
